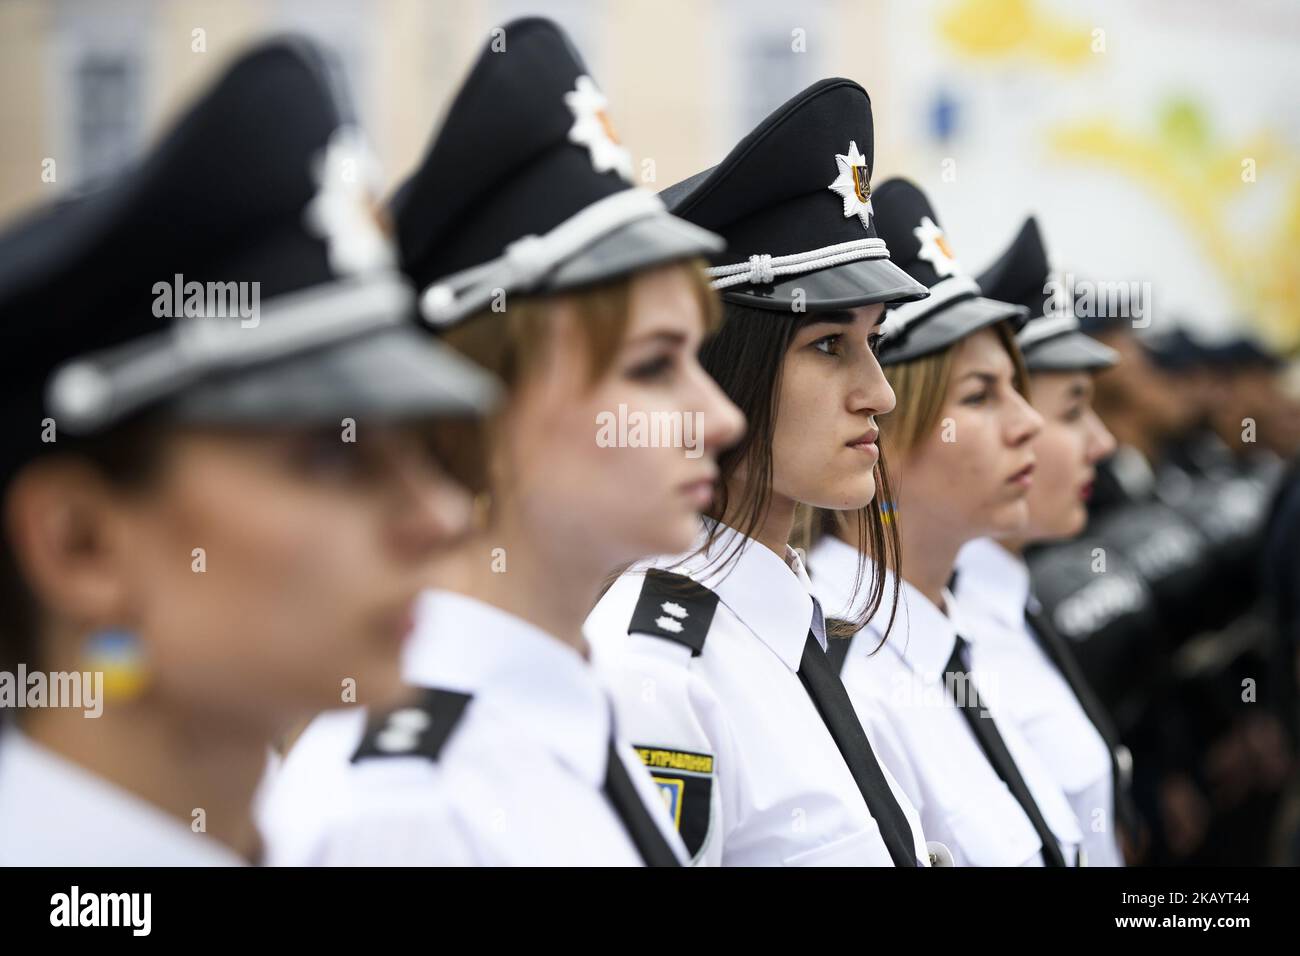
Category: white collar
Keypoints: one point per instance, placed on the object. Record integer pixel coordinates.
(54, 812)
(922, 637)
(835, 567)
(513, 667)
(771, 597)
(991, 576)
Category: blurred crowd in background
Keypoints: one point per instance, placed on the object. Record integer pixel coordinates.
(1191, 635)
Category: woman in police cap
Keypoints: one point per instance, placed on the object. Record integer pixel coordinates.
(188, 530)
(1032, 673)
(537, 258)
(724, 684)
(962, 462)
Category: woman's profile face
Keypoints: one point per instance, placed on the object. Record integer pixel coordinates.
(623, 467)
(1069, 446)
(824, 449)
(972, 474)
(272, 572)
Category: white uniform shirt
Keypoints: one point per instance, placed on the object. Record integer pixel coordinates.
(53, 812)
(921, 735)
(992, 591)
(519, 781)
(779, 791)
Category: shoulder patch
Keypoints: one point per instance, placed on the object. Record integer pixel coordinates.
(418, 728)
(685, 781)
(673, 606)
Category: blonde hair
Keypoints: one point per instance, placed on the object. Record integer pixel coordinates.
(921, 387)
(513, 344)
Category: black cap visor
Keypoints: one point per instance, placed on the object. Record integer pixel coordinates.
(949, 325)
(641, 244)
(1069, 352)
(392, 375)
(835, 288)
(318, 355)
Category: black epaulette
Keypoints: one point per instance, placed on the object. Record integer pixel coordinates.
(674, 607)
(418, 728)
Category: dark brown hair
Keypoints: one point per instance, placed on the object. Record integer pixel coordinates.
(922, 389)
(746, 358)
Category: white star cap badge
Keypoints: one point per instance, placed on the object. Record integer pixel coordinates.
(592, 129)
(935, 249)
(345, 211)
(853, 185)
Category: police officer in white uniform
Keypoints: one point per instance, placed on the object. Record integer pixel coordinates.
(723, 681)
(509, 754)
(1031, 671)
(903, 695)
(245, 185)
(979, 787)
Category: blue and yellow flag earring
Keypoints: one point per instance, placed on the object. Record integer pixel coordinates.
(119, 656)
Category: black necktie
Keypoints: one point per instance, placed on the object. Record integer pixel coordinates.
(995, 749)
(623, 796)
(1059, 653)
(832, 702)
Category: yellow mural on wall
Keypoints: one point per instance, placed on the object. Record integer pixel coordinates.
(995, 29)
(1199, 179)
(1178, 158)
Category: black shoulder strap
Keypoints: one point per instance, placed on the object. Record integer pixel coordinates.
(674, 607)
(418, 728)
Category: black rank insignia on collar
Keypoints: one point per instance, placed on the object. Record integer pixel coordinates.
(673, 606)
(419, 728)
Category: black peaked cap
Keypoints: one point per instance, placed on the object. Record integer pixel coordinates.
(1052, 340)
(244, 190)
(799, 183)
(955, 309)
(526, 146)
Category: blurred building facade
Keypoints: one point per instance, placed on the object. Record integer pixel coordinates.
(1157, 142)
